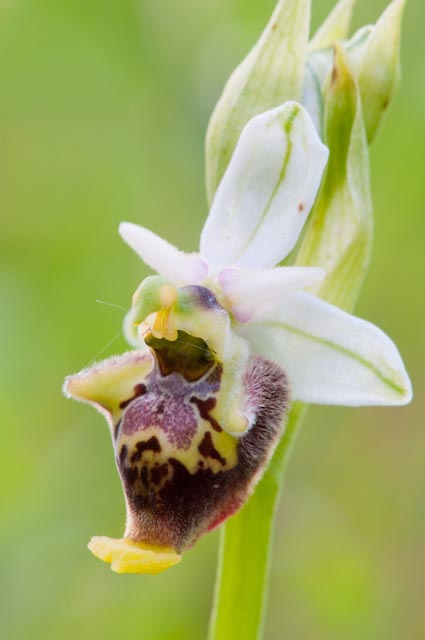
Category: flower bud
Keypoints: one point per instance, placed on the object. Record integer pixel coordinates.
(377, 66)
(272, 73)
(339, 234)
(335, 28)
(374, 54)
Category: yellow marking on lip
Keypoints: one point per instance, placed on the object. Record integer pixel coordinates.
(224, 443)
(128, 556)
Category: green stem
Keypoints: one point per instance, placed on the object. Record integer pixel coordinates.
(245, 548)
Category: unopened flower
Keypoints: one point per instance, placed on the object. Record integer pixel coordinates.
(284, 65)
(224, 340)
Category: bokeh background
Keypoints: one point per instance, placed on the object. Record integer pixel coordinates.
(103, 111)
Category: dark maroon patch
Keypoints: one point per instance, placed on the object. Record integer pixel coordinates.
(207, 449)
(123, 453)
(159, 472)
(116, 429)
(204, 407)
(139, 390)
(130, 477)
(144, 477)
(149, 445)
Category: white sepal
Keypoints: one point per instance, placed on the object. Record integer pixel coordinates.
(330, 356)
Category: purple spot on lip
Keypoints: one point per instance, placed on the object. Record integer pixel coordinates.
(167, 405)
(178, 420)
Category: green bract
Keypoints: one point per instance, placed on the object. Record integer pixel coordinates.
(339, 233)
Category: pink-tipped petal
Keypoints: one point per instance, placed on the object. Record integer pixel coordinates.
(180, 268)
(247, 290)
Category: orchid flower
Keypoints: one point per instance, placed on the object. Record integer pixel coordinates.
(224, 339)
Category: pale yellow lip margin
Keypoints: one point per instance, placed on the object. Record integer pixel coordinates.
(127, 556)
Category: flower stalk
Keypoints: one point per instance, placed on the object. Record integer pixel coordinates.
(246, 542)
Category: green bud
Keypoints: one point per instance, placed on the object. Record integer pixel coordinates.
(272, 73)
(318, 69)
(339, 234)
(335, 28)
(376, 65)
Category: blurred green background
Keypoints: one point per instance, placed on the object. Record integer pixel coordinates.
(103, 111)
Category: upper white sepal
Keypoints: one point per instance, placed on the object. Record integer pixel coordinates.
(267, 191)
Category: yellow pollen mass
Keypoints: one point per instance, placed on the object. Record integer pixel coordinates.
(127, 556)
(163, 326)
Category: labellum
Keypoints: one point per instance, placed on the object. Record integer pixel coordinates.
(184, 465)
